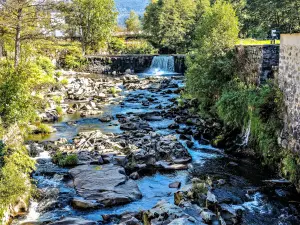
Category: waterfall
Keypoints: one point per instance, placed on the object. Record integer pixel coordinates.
(246, 135)
(163, 64)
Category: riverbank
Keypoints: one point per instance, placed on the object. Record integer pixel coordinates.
(142, 145)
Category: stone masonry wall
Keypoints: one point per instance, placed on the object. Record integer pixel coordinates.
(289, 82)
(120, 63)
(257, 63)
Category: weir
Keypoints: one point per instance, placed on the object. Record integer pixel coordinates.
(163, 63)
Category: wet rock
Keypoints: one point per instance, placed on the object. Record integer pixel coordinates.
(105, 119)
(129, 126)
(221, 182)
(185, 221)
(169, 166)
(165, 213)
(130, 221)
(231, 214)
(189, 144)
(73, 221)
(233, 164)
(80, 203)
(134, 176)
(106, 184)
(208, 216)
(175, 185)
(173, 126)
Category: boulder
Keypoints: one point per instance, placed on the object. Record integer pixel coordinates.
(105, 119)
(175, 185)
(80, 203)
(106, 184)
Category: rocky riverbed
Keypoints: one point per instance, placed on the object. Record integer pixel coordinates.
(143, 156)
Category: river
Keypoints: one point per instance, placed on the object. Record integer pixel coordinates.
(245, 187)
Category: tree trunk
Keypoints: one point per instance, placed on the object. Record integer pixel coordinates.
(18, 38)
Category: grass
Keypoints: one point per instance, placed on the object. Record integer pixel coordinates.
(43, 129)
(65, 160)
(59, 110)
(64, 81)
(250, 41)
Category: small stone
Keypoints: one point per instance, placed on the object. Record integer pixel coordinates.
(221, 182)
(175, 185)
(134, 176)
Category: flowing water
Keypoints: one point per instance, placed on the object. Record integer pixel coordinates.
(162, 65)
(259, 206)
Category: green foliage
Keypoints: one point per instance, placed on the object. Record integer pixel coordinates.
(59, 110)
(233, 105)
(64, 81)
(45, 64)
(133, 23)
(170, 23)
(262, 107)
(15, 168)
(95, 19)
(65, 160)
(210, 64)
(43, 129)
(119, 46)
(291, 167)
(260, 16)
(57, 99)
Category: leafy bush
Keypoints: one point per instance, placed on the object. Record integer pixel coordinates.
(262, 107)
(119, 46)
(15, 168)
(43, 129)
(64, 81)
(291, 167)
(45, 64)
(59, 110)
(210, 64)
(65, 160)
(17, 103)
(57, 99)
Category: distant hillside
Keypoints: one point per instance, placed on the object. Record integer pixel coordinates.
(125, 6)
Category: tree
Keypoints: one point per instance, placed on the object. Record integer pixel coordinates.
(94, 21)
(209, 64)
(170, 23)
(264, 15)
(133, 23)
(25, 20)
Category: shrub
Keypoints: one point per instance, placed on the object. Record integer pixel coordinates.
(65, 160)
(64, 81)
(43, 129)
(57, 99)
(45, 64)
(15, 168)
(59, 110)
(262, 107)
(210, 64)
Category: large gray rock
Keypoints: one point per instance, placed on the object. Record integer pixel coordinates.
(73, 221)
(165, 213)
(105, 184)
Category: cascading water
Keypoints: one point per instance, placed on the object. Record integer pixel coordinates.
(162, 65)
(246, 135)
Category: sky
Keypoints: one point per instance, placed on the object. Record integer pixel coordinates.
(125, 6)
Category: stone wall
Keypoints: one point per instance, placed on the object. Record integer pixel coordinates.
(289, 82)
(120, 63)
(257, 63)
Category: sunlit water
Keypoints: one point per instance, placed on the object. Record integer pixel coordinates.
(153, 188)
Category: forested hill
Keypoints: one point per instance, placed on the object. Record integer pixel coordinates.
(125, 6)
